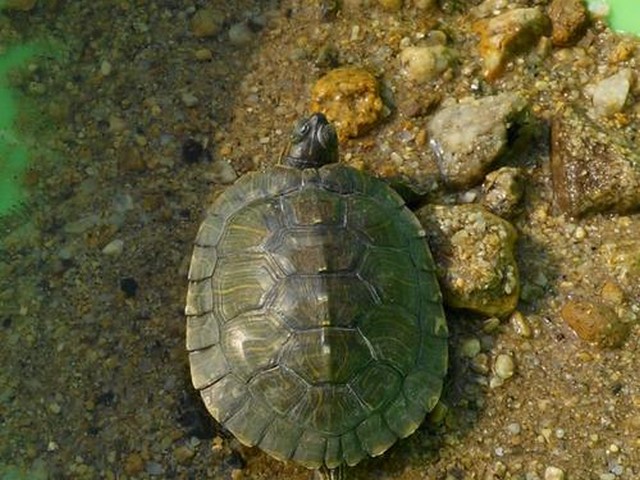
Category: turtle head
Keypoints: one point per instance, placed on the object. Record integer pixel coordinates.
(313, 143)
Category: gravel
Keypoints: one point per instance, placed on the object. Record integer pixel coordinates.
(107, 167)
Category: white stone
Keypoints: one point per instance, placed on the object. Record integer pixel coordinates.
(422, 64)
(610, 94)
(105, 68)
(113, 248)
(553, 473)
(240, 34)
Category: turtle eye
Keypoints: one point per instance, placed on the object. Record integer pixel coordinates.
(300, 132)
(304, 129)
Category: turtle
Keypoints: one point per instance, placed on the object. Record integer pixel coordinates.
(314, 321)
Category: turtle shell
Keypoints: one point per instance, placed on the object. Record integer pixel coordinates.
(315, 327)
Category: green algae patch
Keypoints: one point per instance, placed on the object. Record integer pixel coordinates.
(14, 155)
(622, 16)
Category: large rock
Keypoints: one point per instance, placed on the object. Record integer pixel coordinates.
(467, 138)
(474, 254)
(594, 169)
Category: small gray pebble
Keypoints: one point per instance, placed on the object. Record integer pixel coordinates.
(154, 468)
(514, 428)
(189, 99)
(240, 34)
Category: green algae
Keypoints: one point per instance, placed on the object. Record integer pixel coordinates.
(14, 155)
(622, 16)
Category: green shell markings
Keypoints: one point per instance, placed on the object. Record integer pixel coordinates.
(315, 327)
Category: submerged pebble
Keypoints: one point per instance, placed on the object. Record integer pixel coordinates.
(114, 248)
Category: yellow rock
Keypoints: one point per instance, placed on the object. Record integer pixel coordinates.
(206, 23)
(183, 454)
(350, 99)
(391, 5)
(595, 322)
(134, 464)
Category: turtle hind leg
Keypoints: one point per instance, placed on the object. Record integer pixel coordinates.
(324, 473)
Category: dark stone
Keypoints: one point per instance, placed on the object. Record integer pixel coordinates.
(129, 286)
(594, 169)
(106, 399)
(194, 418)
(194, 152)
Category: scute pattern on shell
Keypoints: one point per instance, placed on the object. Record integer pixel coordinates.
(314, 319)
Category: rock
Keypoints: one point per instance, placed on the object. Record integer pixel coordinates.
(612, 294)
(425, 4)
(128, 286)
(504, 366)
(350, 98)
(470, 347)
(133, 465)
(203, 55)
(81, 225)
(154, 469)
(222, 172)
(183, 454)
(114, 248)
(130, 159)
(467, 138)
(106, 68)
(488, 8)
(553, 473)
(240, 33)
(206, 23)
(502, 191)
(189, 100)
(610, 94)
(480, 364)
(22, 5)
(595, 322)
(391, 5)
(593, 169)
(520, 325)
(507, 35)
(569, 20)
(117, 124)
(474, 254)
(424, 63)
